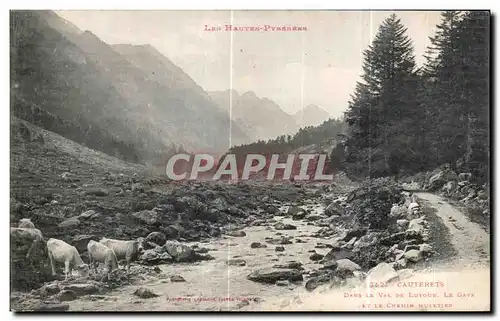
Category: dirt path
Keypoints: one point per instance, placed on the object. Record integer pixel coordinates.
(469, 239)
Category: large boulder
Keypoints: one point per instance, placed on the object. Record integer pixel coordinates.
(383, 273)
(440, 177)
(393, 238)
(347, 265)
(180, 252)
(82, 288)
(88, 215)
(464, 177)
(145, 293)
(148, 217)
(156, 238)
(284, 226)
(174, 231)
(293, 210)
(271, 275)
(328, 278)
(398, 211)
(414, 255)
(289, 265)
(416, 227)
(334, 209)
(157, 255)
(450, 187)
(71, 222)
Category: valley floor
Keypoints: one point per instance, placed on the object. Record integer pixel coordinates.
(216, 286)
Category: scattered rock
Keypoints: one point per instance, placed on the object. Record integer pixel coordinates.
(69, 223)
(350, 244)
(329, 265)
(257, 245)
(180, 252)
(69, 177)
(237, 233)
(66, 295)
(145, 293)
(336, 254)
(440, 178)
(334, 209)
(282, 240)
(316, 257)
(279, 248)
(414, 256)
(49, 307)
(400, 264)
(393, 238)
(347, 265)
(299, 216)
(314, 218)
(289, 265)
(271, 275)
(425, 248)
(49, 289)
(283, 226)
(96, 192)
(383, 273)
(156, 238)
(82, 288)
(177, 278)
(88, 215)
(242, 303)
(282, 283)
(403, 224)
(157, 255)
(354, 233)
(315, 282)
(148, 217)
(293, 210)
(236, 262)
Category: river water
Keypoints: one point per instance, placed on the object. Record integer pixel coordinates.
(213, 285)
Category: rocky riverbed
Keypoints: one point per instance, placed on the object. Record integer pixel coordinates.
(288, 239)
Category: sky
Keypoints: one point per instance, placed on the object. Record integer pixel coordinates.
(318, 66)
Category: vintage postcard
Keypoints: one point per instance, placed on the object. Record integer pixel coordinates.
(250, 160)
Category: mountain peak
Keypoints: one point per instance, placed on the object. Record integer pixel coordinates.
(250, 94)
(311, 115)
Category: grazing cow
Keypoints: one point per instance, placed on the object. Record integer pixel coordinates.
(27, 235)
(60, 251)
(25, 223)
(99, 252)
(128, 250)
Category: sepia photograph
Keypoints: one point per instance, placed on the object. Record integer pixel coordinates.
(250, 160)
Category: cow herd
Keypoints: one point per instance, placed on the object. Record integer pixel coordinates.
(106, 251)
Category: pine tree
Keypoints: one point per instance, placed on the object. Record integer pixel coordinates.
(383, 105)
(456, 83)
(473, 48)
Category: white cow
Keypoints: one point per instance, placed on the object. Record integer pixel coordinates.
(128, 250)
(99, 252)
(60, 251)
